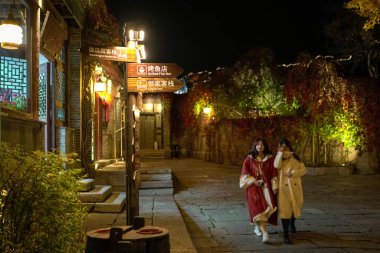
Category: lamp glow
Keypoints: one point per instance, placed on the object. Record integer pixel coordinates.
(207, 110)
(99, 86)
(141, 36)
(10, 32)
(137, 113)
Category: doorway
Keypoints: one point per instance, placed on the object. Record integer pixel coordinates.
(147, 131)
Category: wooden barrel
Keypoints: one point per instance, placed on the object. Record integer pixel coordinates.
(148, 239)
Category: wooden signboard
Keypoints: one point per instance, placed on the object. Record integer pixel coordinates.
(154, 84)
(112, 53)
(167, 70)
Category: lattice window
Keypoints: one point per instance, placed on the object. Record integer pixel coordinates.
(60, 86)
(42, 97)
(13, 83)
(60, 94)
(60, 112)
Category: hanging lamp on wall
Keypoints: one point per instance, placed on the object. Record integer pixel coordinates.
(10, 31)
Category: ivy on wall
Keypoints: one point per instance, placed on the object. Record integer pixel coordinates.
(338, 108)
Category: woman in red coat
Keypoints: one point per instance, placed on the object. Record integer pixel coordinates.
(259, 178)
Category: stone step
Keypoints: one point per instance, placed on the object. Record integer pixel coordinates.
(156, 184)
(86, 184)
(112, 174)
(155, 177)
(162, 170)
(156, 191)
(98, 194)
(89, 206)
(113, 204)
(156, 181)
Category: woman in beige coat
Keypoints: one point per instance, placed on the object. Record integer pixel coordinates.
(290, 194)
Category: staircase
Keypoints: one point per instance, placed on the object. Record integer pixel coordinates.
(105, 193)
(156, 181)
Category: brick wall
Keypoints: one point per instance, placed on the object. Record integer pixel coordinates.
(74, 85)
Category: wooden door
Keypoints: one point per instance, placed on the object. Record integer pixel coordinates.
(147, 126)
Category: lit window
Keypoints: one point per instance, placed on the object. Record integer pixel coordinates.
(14, 65)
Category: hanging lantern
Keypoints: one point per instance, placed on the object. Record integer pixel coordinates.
(10, 32)
(99, 86)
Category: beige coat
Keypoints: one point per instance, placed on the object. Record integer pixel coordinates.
(290, 194)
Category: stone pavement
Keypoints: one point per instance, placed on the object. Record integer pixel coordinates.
(340, 213)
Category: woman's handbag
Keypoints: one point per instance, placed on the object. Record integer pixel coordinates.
(246, 181)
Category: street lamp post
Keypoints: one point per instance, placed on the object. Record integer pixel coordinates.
(131, 38)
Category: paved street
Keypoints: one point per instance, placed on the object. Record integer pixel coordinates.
(340, 214)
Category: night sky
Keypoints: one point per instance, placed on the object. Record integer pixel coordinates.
(204, 35)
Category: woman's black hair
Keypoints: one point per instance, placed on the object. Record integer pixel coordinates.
(254, 153)
(289, 145)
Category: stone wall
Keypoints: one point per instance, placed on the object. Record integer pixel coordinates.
(226, 143)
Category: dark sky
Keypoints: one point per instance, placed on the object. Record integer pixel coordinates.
(203, 35)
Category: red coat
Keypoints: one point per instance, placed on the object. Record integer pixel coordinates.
(255, 194)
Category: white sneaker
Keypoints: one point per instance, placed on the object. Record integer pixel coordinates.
(257, 231)
(265, 237)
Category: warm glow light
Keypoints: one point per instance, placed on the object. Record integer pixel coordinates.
(157, 107)
(141, 36)
(131, 35)
(148, 107)
(107, 98)
(137, 113)
(136, 35)
(207, 110)
(99, 86)
(132, 44)
(10, 34)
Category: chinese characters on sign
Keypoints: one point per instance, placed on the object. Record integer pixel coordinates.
(154, 77)
(113, 53)
(154, 70)
(153, 84)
